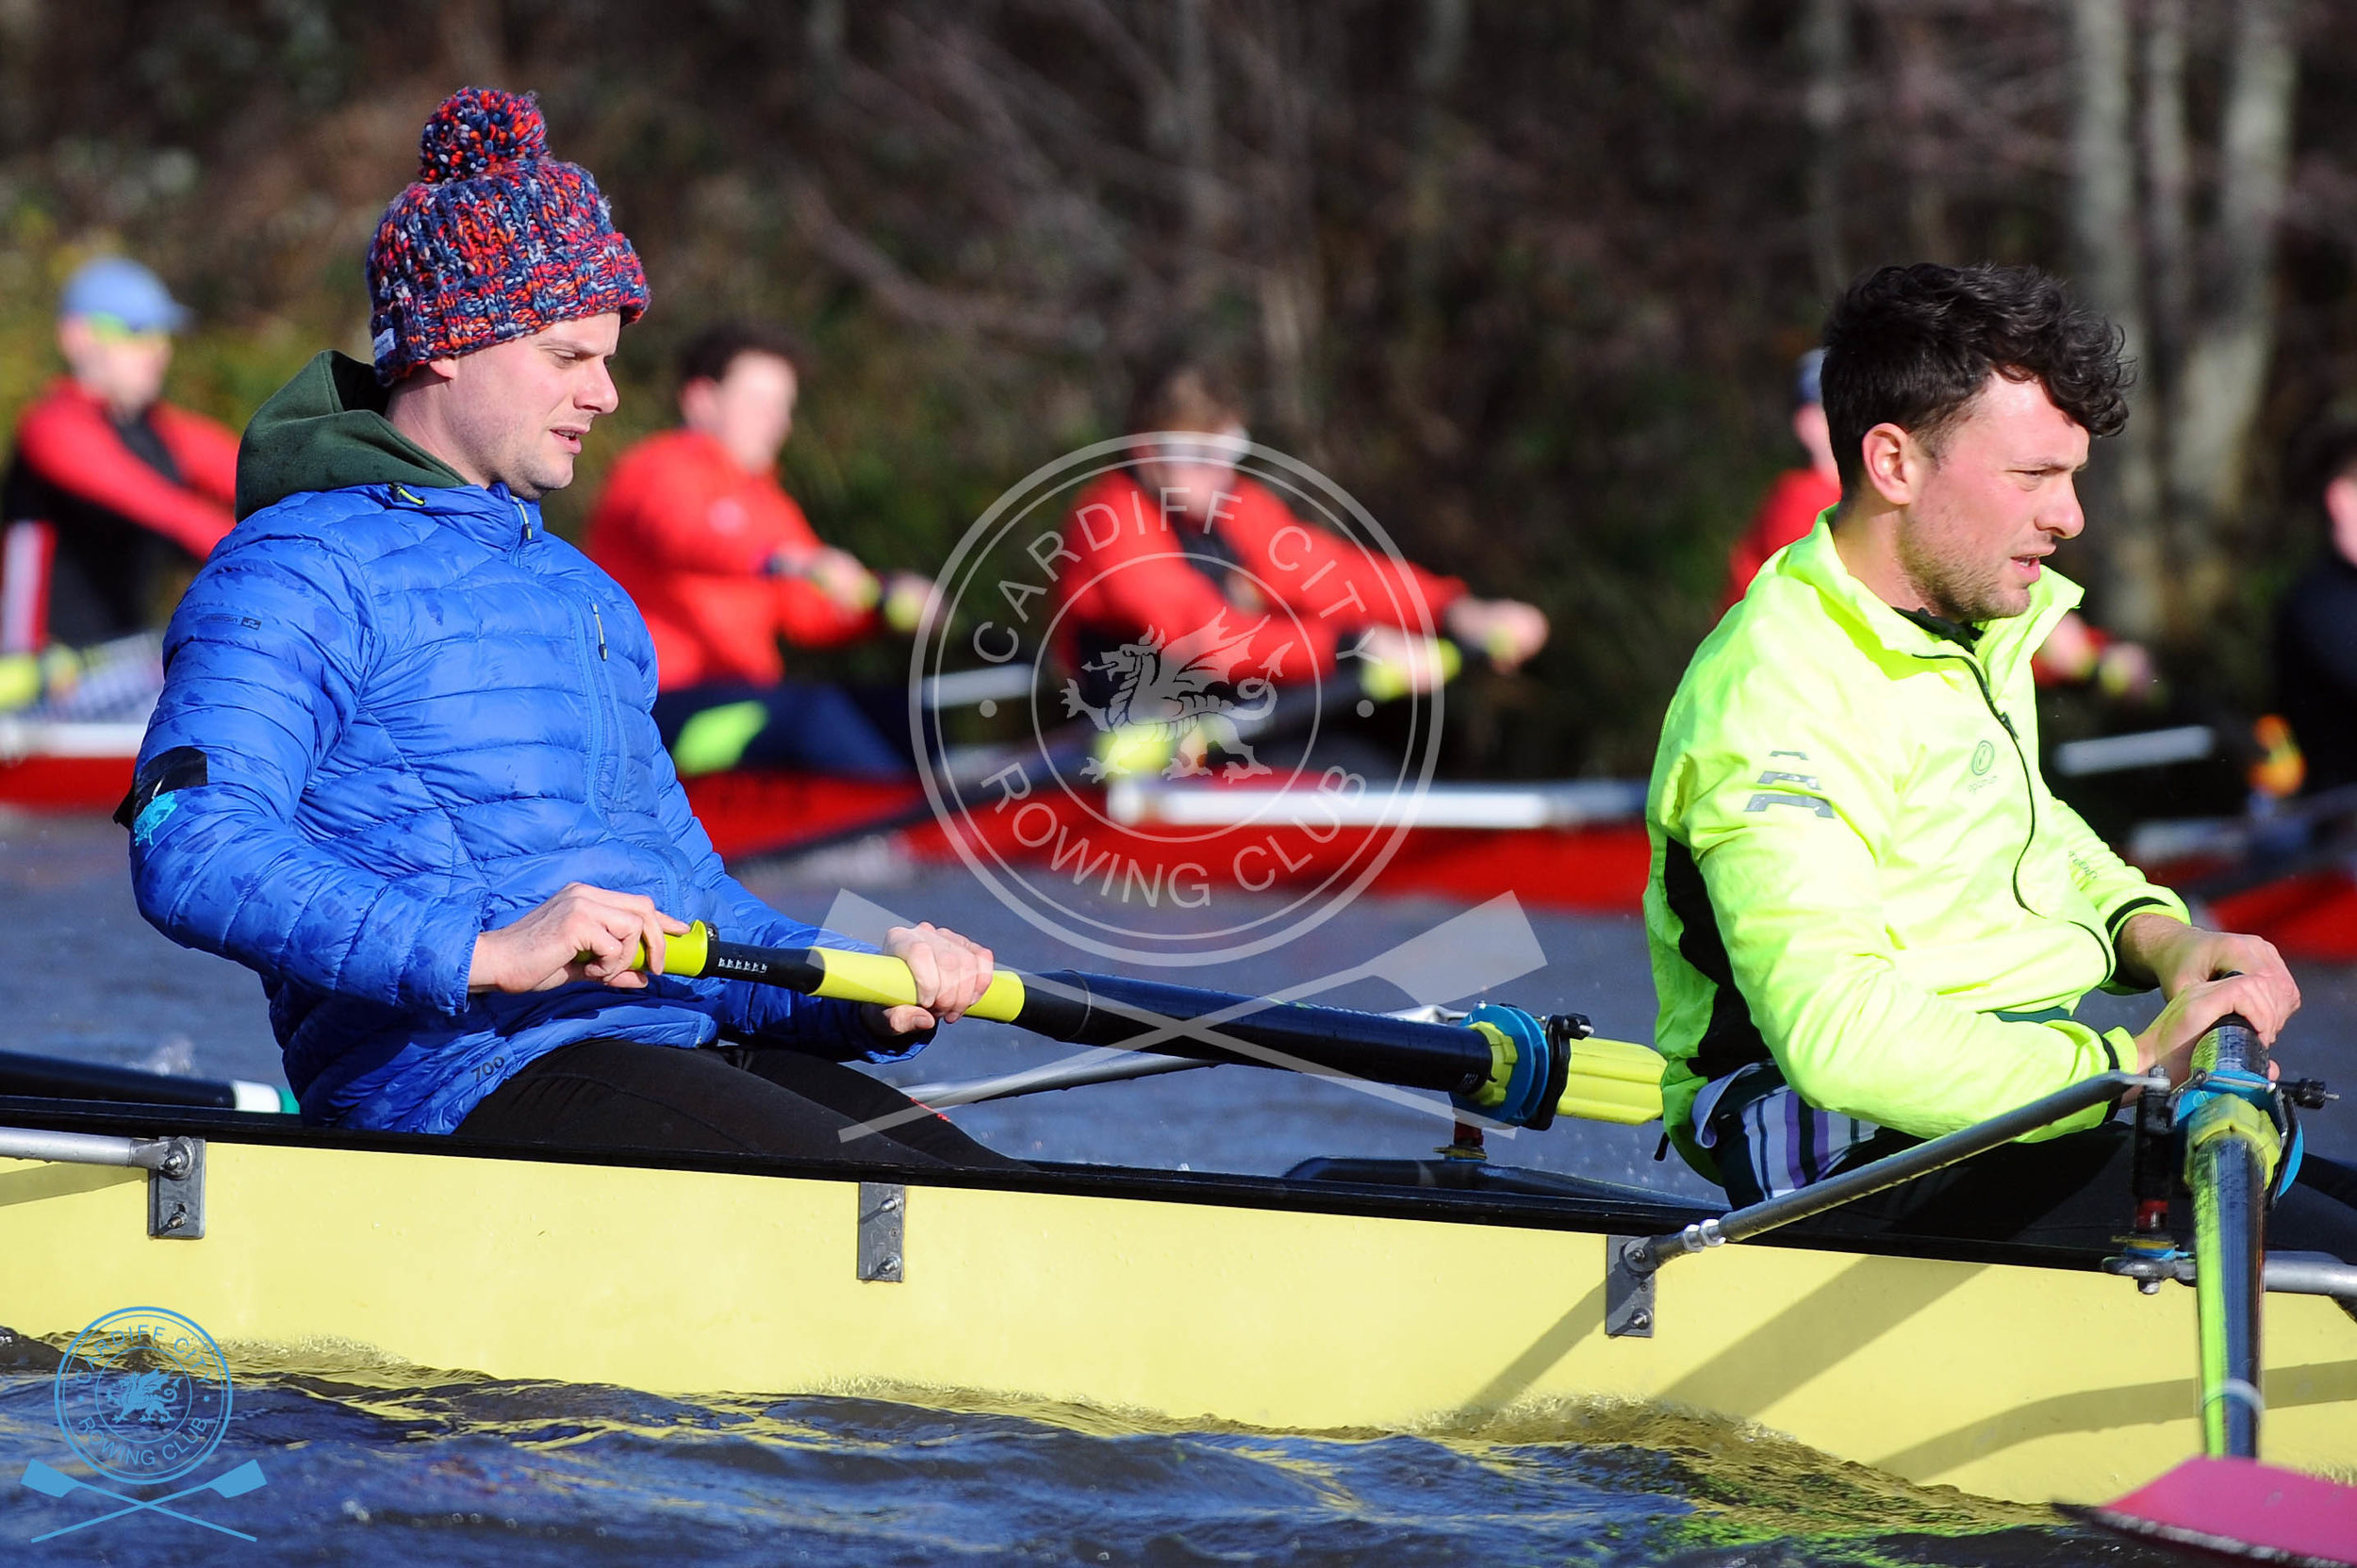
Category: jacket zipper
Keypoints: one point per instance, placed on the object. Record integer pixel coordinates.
(2029, 787)
(600, 619)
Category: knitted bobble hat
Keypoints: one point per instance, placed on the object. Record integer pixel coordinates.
(495, 240)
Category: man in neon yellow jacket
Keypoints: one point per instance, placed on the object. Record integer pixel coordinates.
(1868, 919)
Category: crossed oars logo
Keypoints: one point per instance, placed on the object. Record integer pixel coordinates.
(57, 1483)
(143, 1397)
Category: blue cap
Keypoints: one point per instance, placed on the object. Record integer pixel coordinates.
(120, 288)
(1808, 385)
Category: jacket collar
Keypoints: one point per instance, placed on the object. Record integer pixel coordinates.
(2002, 645)
(495, 515)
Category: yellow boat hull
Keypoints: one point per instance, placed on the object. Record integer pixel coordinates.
(2008, 1380)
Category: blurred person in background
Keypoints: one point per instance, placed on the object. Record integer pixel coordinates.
(2315, 624)
(2076, 653)
(112, 496)
(1794, 501)
(1246, 555)
(723, 565)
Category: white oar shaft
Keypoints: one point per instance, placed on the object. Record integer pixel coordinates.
(90, 1149)
(1039, 1081)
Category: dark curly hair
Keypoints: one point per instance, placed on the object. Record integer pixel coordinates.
(1913, 346)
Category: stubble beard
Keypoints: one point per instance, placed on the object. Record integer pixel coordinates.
(1957, 587)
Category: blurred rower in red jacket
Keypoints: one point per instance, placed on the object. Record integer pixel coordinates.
(1248, 554)
(722, 564)
(114, 496)
(2075, 651)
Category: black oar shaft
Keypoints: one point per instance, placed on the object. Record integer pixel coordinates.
(2228, 1161)
(1113, 1010)
(51, 1078)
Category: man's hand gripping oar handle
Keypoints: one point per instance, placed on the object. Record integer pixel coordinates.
(1502, 1063)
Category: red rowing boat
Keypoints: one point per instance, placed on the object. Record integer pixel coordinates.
(1576, 847)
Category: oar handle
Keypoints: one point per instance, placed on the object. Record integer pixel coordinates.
(832, 972)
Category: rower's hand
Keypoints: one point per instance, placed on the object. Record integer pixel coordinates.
(1507, 631)
(909, 597)
(2180, 957)
(582, 933)
(836, 573)
(1413, 664)
(952, 973)
(841, 578)
(2169, 1040)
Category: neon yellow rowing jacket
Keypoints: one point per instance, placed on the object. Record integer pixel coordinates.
(1858, 871)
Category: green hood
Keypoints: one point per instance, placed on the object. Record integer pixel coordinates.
(327, 430)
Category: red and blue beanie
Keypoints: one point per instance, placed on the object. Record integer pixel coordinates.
(496, 241)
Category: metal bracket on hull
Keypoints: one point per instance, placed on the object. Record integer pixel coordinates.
(1629, 1293)
(881, 1205)
(174, 1167)
(175, 1192)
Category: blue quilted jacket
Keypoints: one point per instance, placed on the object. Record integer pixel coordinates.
(396, 714)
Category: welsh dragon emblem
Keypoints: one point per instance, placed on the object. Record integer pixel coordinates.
(143, 1397)
(1165, 688)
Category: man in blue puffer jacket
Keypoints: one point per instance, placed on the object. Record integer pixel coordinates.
(404, 767)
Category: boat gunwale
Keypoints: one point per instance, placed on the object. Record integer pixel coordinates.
(1593, 1216)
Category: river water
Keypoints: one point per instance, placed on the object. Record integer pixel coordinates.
(376, 1464)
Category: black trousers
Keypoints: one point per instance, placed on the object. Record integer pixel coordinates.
(2077, 1192)
(728, 1099)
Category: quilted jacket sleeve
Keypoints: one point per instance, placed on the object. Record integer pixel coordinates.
(265, 660)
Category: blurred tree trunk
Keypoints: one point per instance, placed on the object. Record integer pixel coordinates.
(2168, 188)
(2124, 490)
(1198, 145)
(1826, 42)
(1414, 359)
(1287, 275)
(2226, 353)
(1915, 39)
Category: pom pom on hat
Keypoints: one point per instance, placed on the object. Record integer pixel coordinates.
(479, 129)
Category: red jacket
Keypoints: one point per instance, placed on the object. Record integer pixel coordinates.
(1135, 574)
(1788, 514)
(68, 441)
(120, 509)
(690, 537)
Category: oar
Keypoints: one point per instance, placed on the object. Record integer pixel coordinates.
(54, 1078)
(1070, 745)
(1502, 1063)
(2226, 1110)
(2226, 1502)
(1483, 947)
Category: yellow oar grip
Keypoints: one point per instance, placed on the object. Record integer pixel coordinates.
(1612, 1081)
(883, 978)
(683, 955)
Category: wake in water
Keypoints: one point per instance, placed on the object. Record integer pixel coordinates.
(368, 1464)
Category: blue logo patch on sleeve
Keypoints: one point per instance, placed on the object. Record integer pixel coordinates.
(157, 809)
